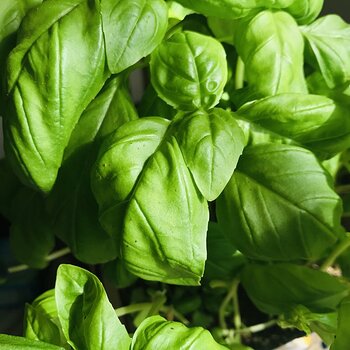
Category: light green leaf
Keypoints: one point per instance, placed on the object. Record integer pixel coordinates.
(132, 30)
(342, 336)
(232, 8)
(279, 288)
(177, 11)
(9, 342)
(279, 205)
(88, 319)
(211, 143)
(41, 320)
(189, 71)
(223, 29)
(271, 47)
(315, 122)
(157, 333)
(328, 48)
(71, 203)
(147, 197)
(305, 11)
(50, 83)
(31, 233)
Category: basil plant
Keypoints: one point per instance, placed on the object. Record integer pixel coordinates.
(228, 181)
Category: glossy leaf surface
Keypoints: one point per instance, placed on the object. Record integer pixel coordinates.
(132, 30)
(315, 122)
(305, 11)
(328, 42)
(189, 71)
(271, 47)
(50, 83)
(157, 333)
(88, 319)
(279, 288)
(9, 342)
(279, 205)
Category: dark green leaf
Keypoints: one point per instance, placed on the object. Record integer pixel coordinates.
(279, 288)
(342, 336)
(189, 71)
(88, 320)
(132, 30)
(157, 333)
(328, 48)
(116, 273)
(315, 122)
(279, 205)
(9, 342)
(271, 47)
(31, 234)
(50, 83)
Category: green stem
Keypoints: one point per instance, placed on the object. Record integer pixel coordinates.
(130, 309)
(257, 327)
(239, 76)
(342, 189)
(338, 250)
(52, 256)
(231, 295)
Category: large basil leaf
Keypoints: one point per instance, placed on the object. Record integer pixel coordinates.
(31, 233)
(305, 11)
(9, 342)
(279, 205)
(144, 186)
(140, 26)
(279, 288)
(232, 8)
(164, 222)
(211, 143)
(271, 47)
(316, 122)
(157, 333)
(41, 320)
(88, 319)
(328, 48)
(71, 203)
(50, 83)
(189, 71)
(342, 337)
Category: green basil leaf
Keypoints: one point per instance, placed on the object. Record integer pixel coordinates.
(41, 320)
(315, 122)
(148, 198)
(88, 319)
(157, 333)
(305, 11)
(177, 11)
(342, 338)
(223, 29)
(47, 91)
(189, 71)
(9, 186)
(116, 273)
(279, 205)
(71, 203)
(211, 143)
(328, 42)
(232, 8)
(223, 262)
(31, 233)
(9, 342)
(140, 26)
(271, 47)
(279, 288)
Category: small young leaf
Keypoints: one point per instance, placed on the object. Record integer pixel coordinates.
(279, 288)
(9, 342)
(132, 30)
(279, 205)
(189, 71)
(271, 47)
(157, 333)
(88, 319)
(328, 48)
